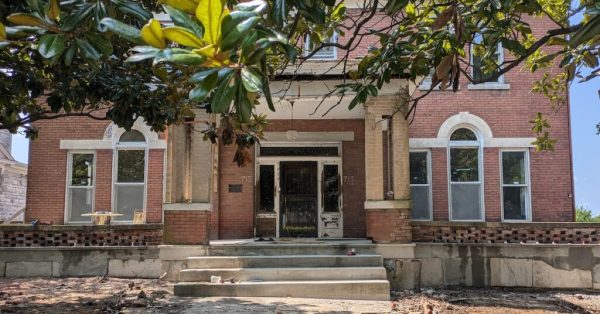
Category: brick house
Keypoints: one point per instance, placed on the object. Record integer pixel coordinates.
(466, 157)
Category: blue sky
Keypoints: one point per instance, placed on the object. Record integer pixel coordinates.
(585, 114)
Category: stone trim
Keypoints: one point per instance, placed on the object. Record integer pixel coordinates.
(311, 136)
(388, 204)
(103, 144)
(190, 206)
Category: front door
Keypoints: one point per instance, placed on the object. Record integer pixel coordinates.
(298, 201)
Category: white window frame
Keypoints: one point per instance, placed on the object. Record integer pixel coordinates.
(115, 165)
(527, 184)
(429, 182)
(69, 186)
(317, 57)
(500, 84)
(466, 144)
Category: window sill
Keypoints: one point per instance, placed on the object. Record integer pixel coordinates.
(490, 86)
(427, 86)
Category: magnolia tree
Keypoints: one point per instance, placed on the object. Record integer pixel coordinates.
(111, 59)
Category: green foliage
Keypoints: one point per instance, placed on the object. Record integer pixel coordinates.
(110, 59)
(585, 215)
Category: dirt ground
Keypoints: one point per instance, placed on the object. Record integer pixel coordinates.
(112, 295)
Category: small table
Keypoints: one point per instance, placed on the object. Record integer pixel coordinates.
(101, 217)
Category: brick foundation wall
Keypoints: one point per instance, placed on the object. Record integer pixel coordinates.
(187, 227)
(389, 225)
(546, 233)
(60, 235)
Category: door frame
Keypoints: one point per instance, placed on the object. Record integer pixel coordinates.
(321, 160)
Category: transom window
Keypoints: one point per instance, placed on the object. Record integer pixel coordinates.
(465, 177)
(515, 185)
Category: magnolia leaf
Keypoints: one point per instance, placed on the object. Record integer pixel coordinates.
(251, 80)
(2, 32)
(75, 19)
(237, 33)
(88, 51)
(444, 17)
(187, 6)
(25, 19)
(70, 54)
(178, 55)
(588, 31)
(223, 95)
(210, 13)
(243, 105)
(182, 36)
(279, 12)
(256, 6)
(152, 34)
(100, 42)
(181, 18)
(207, 85)
(143, 53)
(126, 31)
(132, 8)
(53, 11)
(51, 45)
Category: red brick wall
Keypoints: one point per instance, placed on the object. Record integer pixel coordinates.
(236, 210)
(48, 171)
(186, 227)
(47, 174)
(508, 113)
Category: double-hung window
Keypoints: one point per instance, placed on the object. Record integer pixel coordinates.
(420, 185)
(465, 176)
(130, 175)
(479, 62)
(515, 185)
(80, 186)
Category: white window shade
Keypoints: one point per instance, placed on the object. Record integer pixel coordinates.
(325, 53)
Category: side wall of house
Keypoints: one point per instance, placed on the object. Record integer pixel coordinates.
(47, 177)
(508, 113)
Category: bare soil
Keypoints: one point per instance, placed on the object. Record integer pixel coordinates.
(115, 295)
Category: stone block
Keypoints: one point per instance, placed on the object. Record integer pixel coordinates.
(432, 272)
(401, 274)
(457, 272)
(511, 272)
(171, 269)
(2, 269)
(149, 268)
(28, 269)
(596, 277)
(546, 276)
(396, 250)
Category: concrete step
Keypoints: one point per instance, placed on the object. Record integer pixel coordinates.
(284, 261)
(285, 274)
(277, 248)
(325, 289)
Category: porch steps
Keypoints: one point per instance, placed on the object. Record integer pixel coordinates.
(307, 274)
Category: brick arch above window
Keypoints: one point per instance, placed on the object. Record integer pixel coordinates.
(474, 123)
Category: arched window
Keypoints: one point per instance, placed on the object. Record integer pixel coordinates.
(132, 136)
(465, 175)
(130, 175)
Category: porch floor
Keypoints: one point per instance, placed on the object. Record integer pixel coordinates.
(290, 241)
